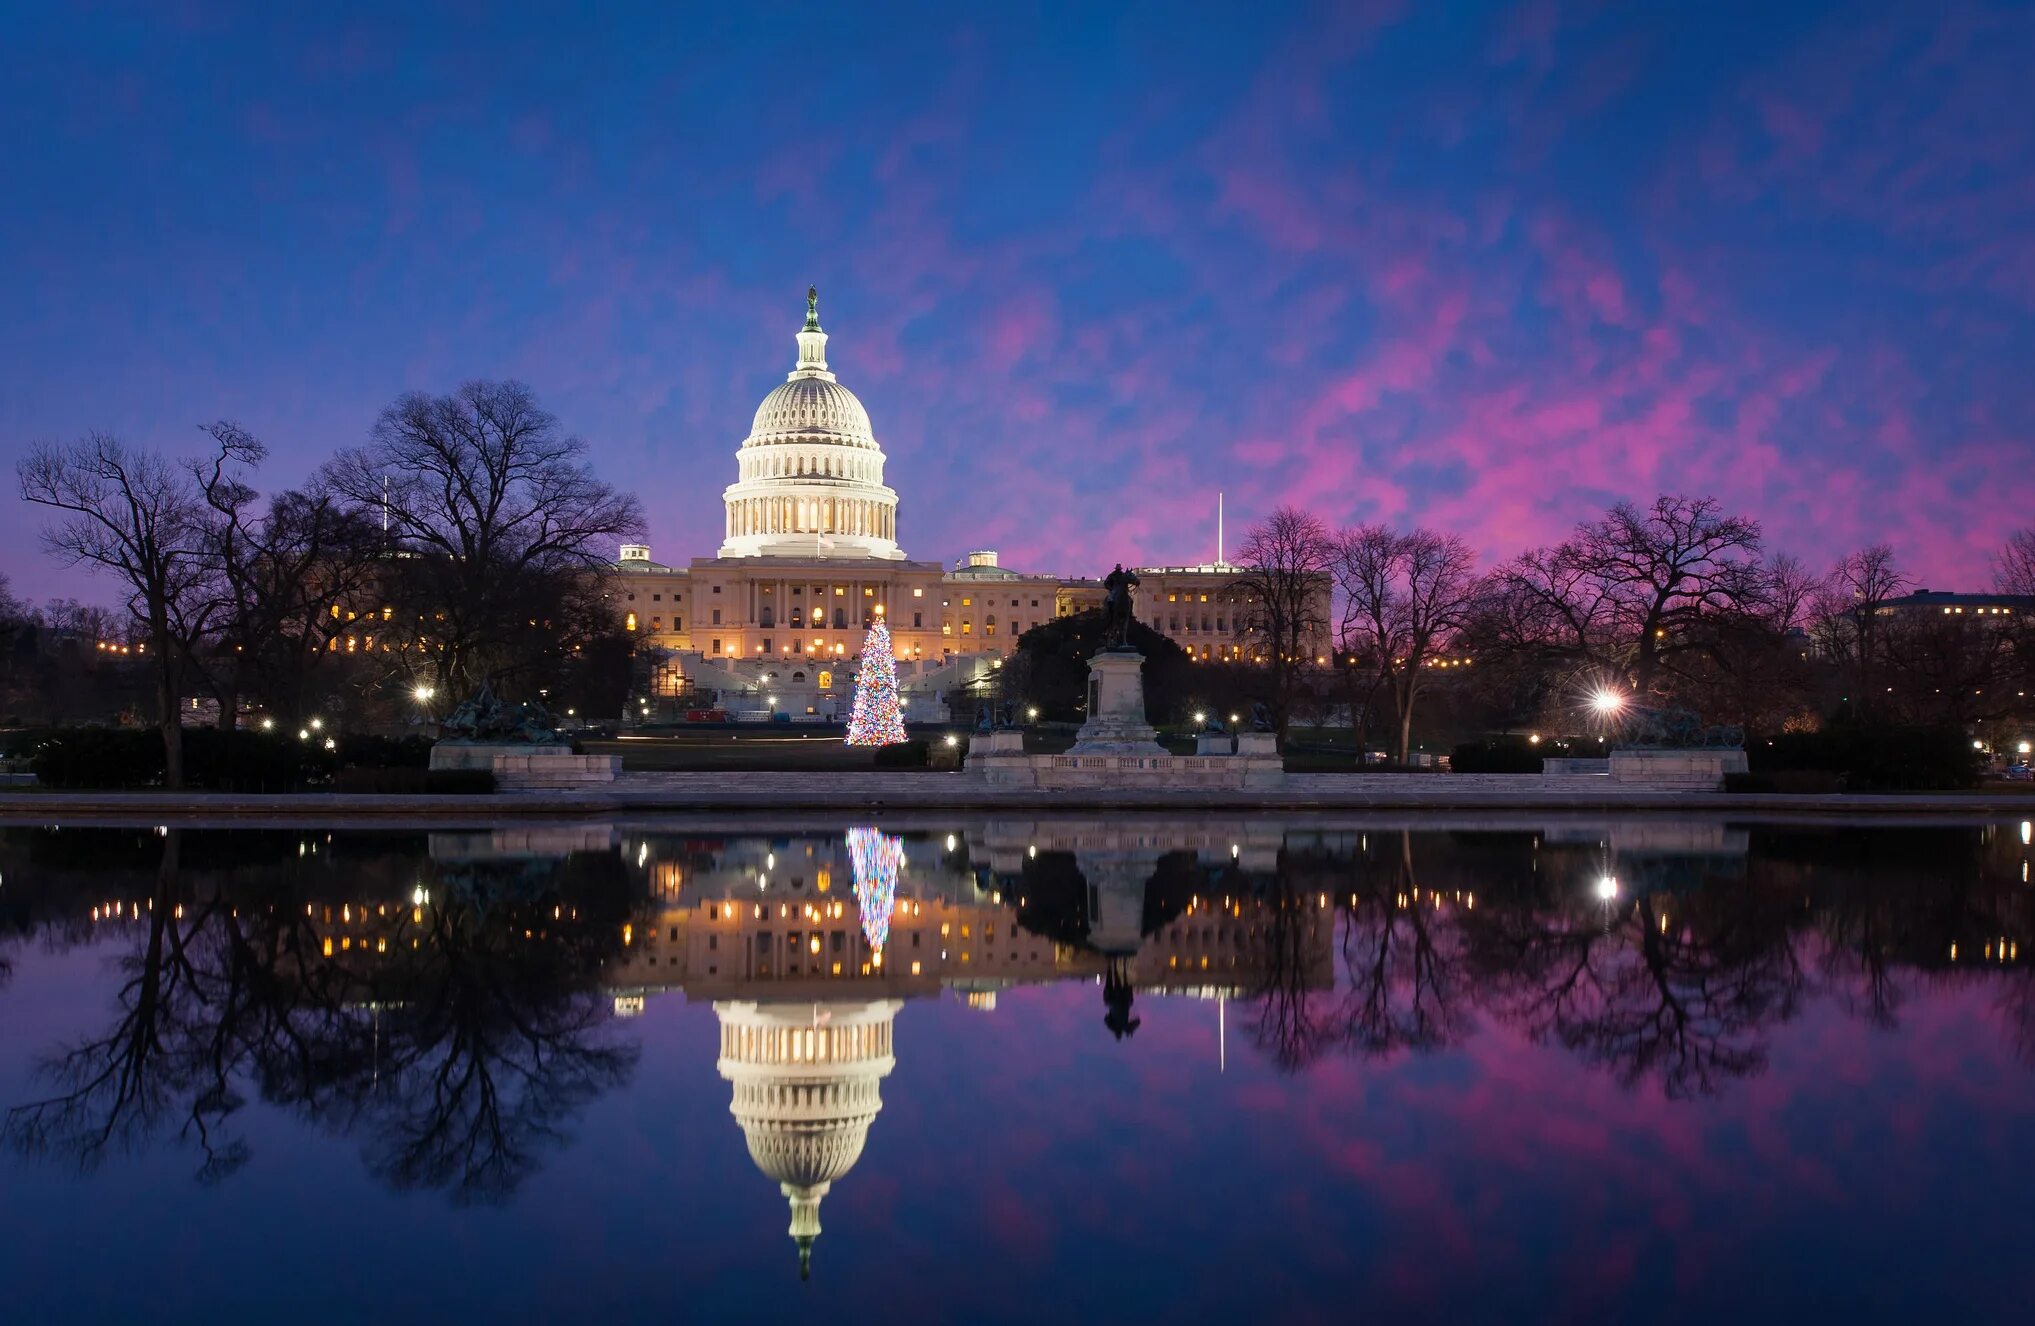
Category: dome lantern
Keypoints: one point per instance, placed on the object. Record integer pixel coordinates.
(812, 342)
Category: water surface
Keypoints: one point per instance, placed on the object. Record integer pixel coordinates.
(1018, 1070)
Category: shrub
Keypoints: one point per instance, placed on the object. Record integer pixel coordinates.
(238, 761)
(904, 755)
(1496, 755)
(367, 751)
(1875, 758)
(242, 760)
(98, 757)
(405, 781)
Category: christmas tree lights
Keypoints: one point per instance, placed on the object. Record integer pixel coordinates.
(874, 719)
(875, 858)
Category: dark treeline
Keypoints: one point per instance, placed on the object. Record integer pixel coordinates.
(1678, 604)
(464, 540)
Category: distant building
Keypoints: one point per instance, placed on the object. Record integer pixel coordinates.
(1942, 603)
(810, 557)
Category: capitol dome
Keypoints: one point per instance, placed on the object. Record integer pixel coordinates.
(808, 407)
(809, 479)
(806, 1088)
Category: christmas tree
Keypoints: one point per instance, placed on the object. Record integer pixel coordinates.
(874, 719)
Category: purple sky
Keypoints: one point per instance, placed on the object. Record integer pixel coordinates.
(1485, 269)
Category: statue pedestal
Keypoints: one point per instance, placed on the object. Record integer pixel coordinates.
(1117, 750)
(1214, 743)
(1690, 769)
(1116, 708)
(523, 765)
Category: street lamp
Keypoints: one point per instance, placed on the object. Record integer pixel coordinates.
(1607, 701)
(1607, 887)
(424, 694)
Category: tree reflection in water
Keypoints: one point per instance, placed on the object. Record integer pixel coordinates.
(1678, 978)
(447, 1010)
(456, 1036)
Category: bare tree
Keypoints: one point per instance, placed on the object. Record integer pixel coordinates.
(1403, 596)
(1644, 596)
(2014, 566)
(1285, 591)
(278, 572)
(141, 517)
(1668, 573)
(492, 514)
(1850, 624)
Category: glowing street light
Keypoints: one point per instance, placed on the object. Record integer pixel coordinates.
(1607, 887)
(424, 694)
(1607, 701)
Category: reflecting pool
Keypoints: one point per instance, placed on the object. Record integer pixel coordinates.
(1019, 1070)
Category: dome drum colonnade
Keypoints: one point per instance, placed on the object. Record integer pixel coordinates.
(811, 469)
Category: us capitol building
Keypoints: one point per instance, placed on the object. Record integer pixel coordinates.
(811, 558)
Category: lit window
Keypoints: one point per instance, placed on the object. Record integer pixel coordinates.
(918, 593)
